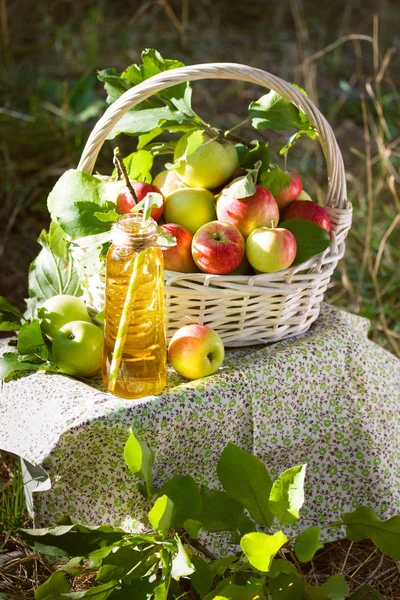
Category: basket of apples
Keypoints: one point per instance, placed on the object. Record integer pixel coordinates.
(254, 254)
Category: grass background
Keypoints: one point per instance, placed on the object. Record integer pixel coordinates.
(345, 54)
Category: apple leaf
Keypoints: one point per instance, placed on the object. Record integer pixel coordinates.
(336, 587)
(137, 122)
(193, 141)
(311, 239)
(53, 587)
(279, 566)
(245, 478)
(203, 577)
(160, 516)
(220, 512)
(311, 133)
(272, 111)
(241, 187)
(49, 274)
(109, 217)
(259, 152)
(364, 524)
(185, 495)
(275, 180)
(287, 586)
(10, 363)
(10, 316)
(139, 459)
(260, 548)
(30, 340)
(73, 202)
(307, 543)
(287, 495)
(138, 165)
(366, 592)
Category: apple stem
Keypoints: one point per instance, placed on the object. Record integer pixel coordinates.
(272, 223)
(122, 172)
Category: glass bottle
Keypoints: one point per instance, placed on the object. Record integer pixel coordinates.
(134, 349)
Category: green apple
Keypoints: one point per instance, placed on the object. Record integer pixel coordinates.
(60, 310)
(209, 166)
(77, 348)
(270, 249)
(190, 208)
(196, 351)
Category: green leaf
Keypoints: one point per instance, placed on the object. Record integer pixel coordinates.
(192, 527)
(307, 543)
(146, 138)
(119, 562)
(275, 180)
(50, 275)
(72, 536)
(259, 153)
(185, 495)
(367, 593)
(241, 187)
(245, 478)
(114, 84)
(139, 459)
(311, 133)
(364, 524)
(107, 217)
(336, 587)
(286, 587)
(311, 239)
(8, 309)
(56, 241)
(219, 566)
(73, 202)
(287, 495)
(260, 548)
(56, 584)
(138, 165)
(232, 591)
(160, 516)
(272, 111)
(10, 363)
(220, 512)
(181, 563)
(9, 325)
(279, 566)
(203, 577)
(30, 340)
(100, 592)
(315, 593)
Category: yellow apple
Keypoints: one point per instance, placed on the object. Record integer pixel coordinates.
(190, 208)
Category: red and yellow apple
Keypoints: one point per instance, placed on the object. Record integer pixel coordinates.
(77, 348)
(247, 214)
(167, 182)
(179, 257)
(218, 248)
(292, 192)
(125, 200)
(310, 211)
(209, 166)
(270, 249)
(196, 351)
(190, 207)
(60, 310)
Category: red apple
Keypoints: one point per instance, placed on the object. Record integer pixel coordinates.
(218, 248)
(196, 351)
(179, 258)
(270, 249)
(125, 200)
(247, 214)
(310, 211)
(287, 195)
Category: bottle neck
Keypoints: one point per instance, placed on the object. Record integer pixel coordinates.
(130, 232)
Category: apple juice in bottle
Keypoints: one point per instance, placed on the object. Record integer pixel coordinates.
(134, 349)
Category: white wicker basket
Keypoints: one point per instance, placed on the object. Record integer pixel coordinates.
(256, 309)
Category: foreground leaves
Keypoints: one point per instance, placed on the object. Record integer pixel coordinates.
(364, 524)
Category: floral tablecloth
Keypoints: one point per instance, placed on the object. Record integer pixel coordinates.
(330, 398)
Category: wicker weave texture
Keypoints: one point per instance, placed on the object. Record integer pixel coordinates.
(246, 310)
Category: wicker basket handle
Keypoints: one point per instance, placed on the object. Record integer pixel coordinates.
(336, 195)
